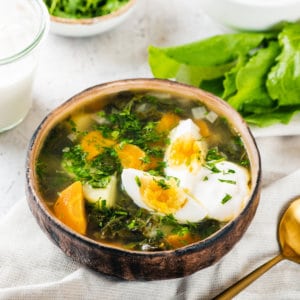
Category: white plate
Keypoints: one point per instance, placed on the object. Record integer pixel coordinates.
(293, 128)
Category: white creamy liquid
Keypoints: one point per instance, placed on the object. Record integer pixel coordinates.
(19, 26)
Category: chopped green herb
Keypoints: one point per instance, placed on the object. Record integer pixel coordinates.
(227, 181)
(132, 225)
(226, 198)
(97, 172)
(138, 181)
(163, 184)
(238, 140)
(212, 167)
(181, 230)
(215, 155)
(244, 161)
(178, 110)
(145, 159)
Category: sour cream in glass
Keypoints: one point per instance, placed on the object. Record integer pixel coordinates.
(23, 24)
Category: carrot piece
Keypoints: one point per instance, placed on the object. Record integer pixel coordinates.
(93, 144)
(204, 130)
(131, 156)
(167, 122)
(177, 241)
(153, 163)
(70, 209)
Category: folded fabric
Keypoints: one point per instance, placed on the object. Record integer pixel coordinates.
(31, 267)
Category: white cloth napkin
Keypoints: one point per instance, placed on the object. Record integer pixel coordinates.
(31, 267)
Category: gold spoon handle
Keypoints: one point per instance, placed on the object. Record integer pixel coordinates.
(244, 282)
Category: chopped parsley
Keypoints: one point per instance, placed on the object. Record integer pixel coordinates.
(138, 181)
(212, 167)
(214, 155)
(96, 172)
(227, 181)
(163, 184)
(226, 198)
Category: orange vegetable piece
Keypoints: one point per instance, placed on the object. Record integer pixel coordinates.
(204, 130)
(131, 156)
(167, 122)
(177, 241)
(69, 207)
(93, 144)
(153, 164)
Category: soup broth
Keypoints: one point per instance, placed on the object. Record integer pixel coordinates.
(146, 172)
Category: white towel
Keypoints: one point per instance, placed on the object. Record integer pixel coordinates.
(31, 267)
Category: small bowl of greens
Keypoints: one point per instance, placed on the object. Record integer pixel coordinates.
(87, 18)
(144, 178)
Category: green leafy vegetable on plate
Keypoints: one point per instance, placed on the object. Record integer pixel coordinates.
(256, 73)
(80, 9)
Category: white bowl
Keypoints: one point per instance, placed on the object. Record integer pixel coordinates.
(253, 15)
(90, 26)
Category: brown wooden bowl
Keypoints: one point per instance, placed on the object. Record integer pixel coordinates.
(133, 265)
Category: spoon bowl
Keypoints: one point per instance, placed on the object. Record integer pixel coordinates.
(289, 232)
(289, 240)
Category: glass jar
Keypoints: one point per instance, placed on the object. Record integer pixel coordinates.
(23, 26)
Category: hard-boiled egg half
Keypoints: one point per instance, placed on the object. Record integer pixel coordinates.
(223, 191)
(185, 155)
(161, 195)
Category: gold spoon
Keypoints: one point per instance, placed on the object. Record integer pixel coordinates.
(289, 239)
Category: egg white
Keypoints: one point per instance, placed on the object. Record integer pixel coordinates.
(223, 194)
(185, 154)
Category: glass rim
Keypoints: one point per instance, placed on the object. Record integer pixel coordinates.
(43, 26)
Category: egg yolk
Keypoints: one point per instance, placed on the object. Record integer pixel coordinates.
(185, 150)
(162, 195)
(167, 122)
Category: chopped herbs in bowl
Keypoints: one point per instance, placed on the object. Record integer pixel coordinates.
(85, 18)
